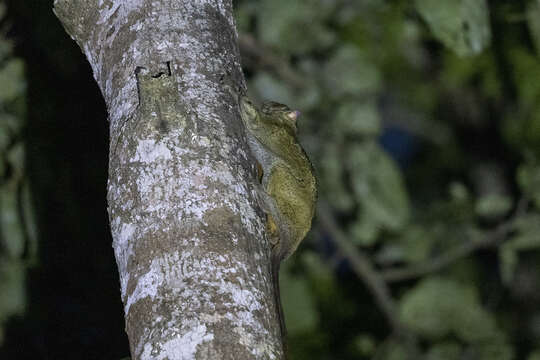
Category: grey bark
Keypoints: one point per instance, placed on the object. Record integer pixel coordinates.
(188, 235)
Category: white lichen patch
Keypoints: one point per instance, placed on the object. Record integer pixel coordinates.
(184, 347)
(123, 250)
(170, 182)
(188, 277)
(117, 11)
(177, 346)
(147, 284)
(259, 349)
(170, 187)
(95, 64)
(167, 183)
(149, 151)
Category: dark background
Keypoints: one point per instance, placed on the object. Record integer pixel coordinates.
(74, 306)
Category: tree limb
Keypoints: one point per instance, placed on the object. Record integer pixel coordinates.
(361, 266)
(492, 239)
(188, 234)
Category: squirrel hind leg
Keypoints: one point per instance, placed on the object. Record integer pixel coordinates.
(275, 225)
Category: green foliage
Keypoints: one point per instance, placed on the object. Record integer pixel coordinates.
(349, 72)
(533, 14)
(437, 308)
(359, 119)
(12, 229)
(521, 126)
(298, 303)
(493, 205)
(10, 78)
(462, 25)
(461, 175)
(444, 351)
(524, 238)
(17, 228)
(12, 290)
(365, 344)
(534, 355)
(442, 309)
(528, 179)
(378, 189)
(295, 27)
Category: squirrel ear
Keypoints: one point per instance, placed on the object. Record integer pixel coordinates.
(293, 115)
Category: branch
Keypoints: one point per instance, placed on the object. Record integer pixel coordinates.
(362, 267)
(188, 239)
(492, 239)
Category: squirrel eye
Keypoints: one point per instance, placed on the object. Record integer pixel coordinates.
(248, 107)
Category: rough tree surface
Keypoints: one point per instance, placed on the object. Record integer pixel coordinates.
(189, 241)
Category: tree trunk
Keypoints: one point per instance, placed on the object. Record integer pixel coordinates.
(188, 236)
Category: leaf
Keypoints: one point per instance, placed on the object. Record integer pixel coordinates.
(12, 230)
(533, 22)
(324, 287)
(493, 350)
(270, 88)
(5, 138)
(508, 260)
(11, 78)
(493, 206)
(365, 344)
(6, 47)
(295, 27)
(461, 25)
(426, 308)
(527, 228)
(350, 72)
(377, 186)
(392, 350)
(28, 213)
(12, 290)
(332, 172)
(458, 192)
(416, 244)
(358, 118)
(364, 230)
(243, 16)
(535, 355)
(317, 269)
(521, 125)
(15, 157)
(458, 72)
(471, 323)
(528, 179)
(298, 303)
(525, 69)
(444, 351)
(438, 307)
